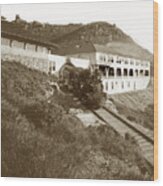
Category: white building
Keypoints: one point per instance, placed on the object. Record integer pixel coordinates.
(122, 74)
(56, 62)
(122, 70)
(35, 54)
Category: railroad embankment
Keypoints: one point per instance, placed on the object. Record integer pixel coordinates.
(137, 107)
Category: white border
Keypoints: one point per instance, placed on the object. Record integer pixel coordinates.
(47, 182)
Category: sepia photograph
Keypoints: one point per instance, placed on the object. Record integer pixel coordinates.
(77, 90)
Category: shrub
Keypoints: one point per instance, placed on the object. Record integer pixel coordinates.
(86, 86)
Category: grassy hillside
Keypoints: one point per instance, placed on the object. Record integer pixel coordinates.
(44, 32)
(40, 139)
(97, 32)
(137, 106)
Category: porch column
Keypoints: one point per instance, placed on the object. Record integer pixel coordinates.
(122, 72)
(115, 72)
(107, 72)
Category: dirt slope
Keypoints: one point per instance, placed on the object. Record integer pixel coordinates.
(136, 106)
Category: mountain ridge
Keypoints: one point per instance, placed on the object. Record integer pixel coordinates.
(99, 28)
(103, 33)
(99, 32)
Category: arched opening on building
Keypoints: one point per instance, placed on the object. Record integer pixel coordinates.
(136, 72)
(111, 71)
(146, 72)
(131, 73)
(141, 72)
(102, 70)
(119, 73)
(125, 72)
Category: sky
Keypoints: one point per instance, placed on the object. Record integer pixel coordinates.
(134, 17)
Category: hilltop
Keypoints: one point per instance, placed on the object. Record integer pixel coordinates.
(97, 32)
(101, 34)
(108, 36)
(40, 31)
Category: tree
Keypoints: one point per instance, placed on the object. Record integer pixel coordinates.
(87, 87)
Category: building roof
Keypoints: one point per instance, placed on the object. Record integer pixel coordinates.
(12, 31)
(75, 47)
(129, 50)
(122, 49)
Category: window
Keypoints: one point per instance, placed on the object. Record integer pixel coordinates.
(112, 85)
(111, 71)
(126, 62)
(131, 72)
(106, 86)
(131, 62)
(101, 58)
(146, 73)
(118, 72)
(18, 44)
(125, 72)
(136, 72)
(53, 67)
(141, 72)
(110, 59)
(102, 70)
(122, 85)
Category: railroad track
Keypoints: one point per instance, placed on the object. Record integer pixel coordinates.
(143, 138)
